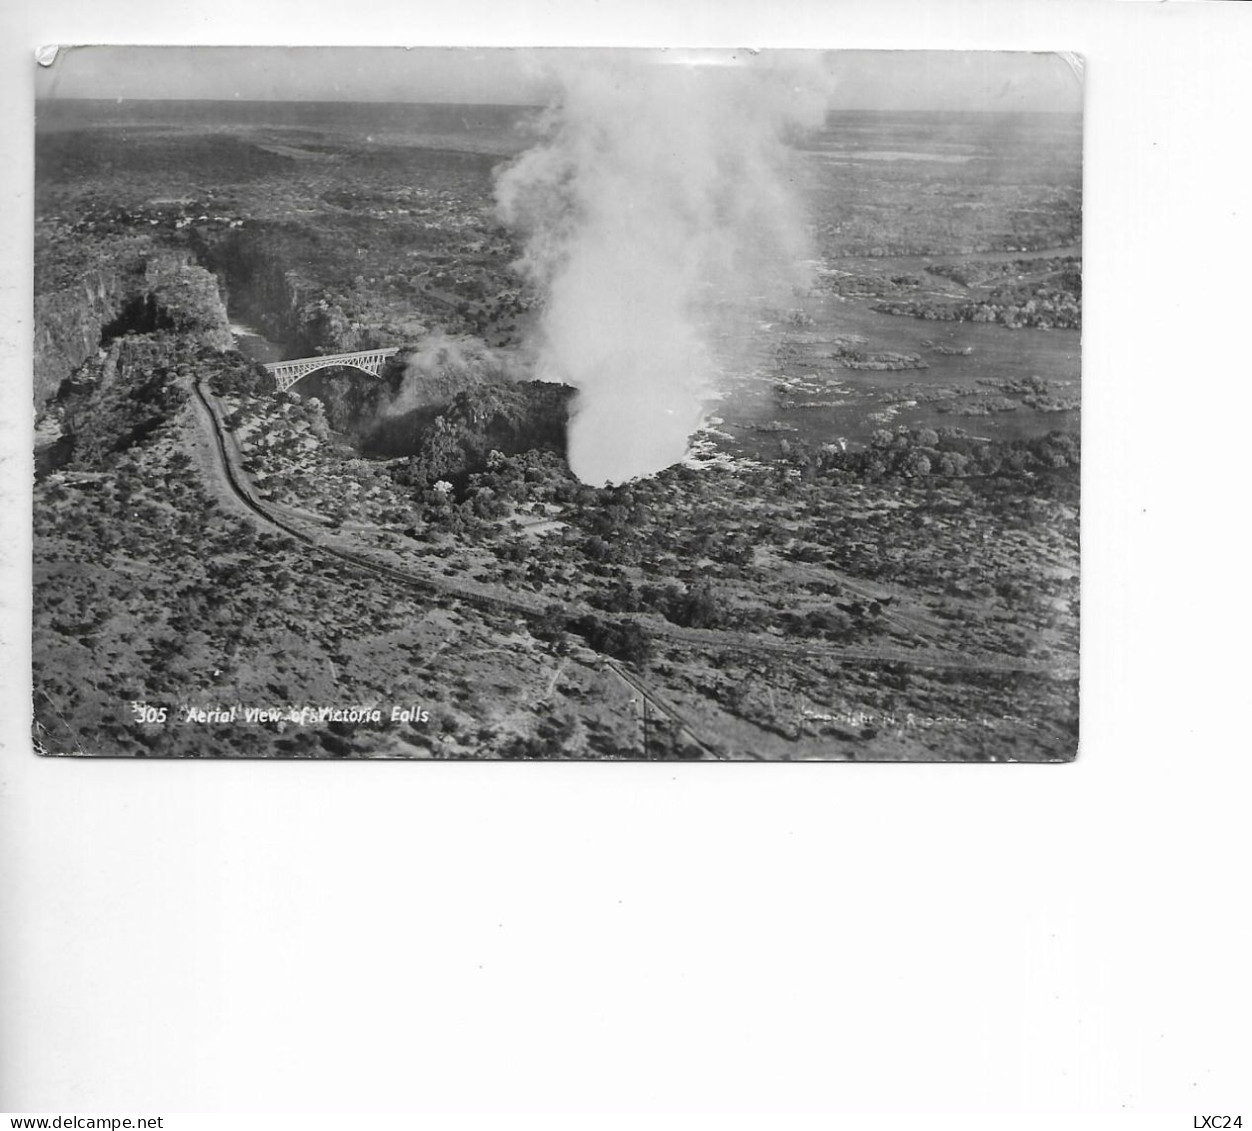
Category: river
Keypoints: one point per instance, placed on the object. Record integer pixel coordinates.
(250, 342)
(813, 399)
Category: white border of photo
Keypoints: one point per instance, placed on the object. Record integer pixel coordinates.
(288, 937)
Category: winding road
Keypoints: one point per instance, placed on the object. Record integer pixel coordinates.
(495, 599)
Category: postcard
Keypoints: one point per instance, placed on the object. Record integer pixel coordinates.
(557, 404)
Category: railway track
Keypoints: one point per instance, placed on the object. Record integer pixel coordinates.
(528, 606)
(651, 697)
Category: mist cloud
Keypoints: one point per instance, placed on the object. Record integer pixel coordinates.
(444, 365)
(657, 199)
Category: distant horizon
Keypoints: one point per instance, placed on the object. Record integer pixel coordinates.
(998, 81)
(118, 101)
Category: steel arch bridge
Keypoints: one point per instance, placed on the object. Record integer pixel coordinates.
(287, 373)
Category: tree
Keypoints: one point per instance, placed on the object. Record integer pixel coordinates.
(915, 464)
(624, 640)
(699, 608)
(951, 463)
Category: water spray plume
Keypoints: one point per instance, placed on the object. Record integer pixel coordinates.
(443, 366)
(656, 201)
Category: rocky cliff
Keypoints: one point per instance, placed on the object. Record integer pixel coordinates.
(259, 272)
(69, 324)
(164, 290)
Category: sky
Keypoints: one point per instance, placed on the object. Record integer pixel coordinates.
(896, 80)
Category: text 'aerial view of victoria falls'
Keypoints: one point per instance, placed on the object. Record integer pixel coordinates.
(557, 404)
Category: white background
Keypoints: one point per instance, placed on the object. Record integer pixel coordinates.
(433, 937)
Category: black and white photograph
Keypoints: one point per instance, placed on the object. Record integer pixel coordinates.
(557, 403)
(549, 570)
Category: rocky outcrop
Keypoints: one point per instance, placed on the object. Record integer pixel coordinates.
(163, 291)
(69, 324)
(186, 299)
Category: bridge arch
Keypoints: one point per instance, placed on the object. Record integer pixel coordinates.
(370, 362)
